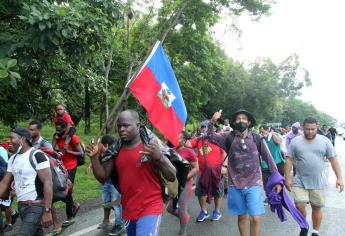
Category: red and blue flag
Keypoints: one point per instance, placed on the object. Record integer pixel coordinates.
(157, 90)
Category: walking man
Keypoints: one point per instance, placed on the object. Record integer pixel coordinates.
(33, 186)
(245, 179)
(137, 167)
(309, 154)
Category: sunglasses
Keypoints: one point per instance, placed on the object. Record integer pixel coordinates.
(243, 145)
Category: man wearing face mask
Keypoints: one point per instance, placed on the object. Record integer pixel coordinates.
(33, 185)
(244, 149)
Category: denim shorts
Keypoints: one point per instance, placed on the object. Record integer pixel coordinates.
(109, 193)
(246, 201)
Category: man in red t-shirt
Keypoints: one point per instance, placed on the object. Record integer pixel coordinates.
(141, 195)
(214, 157)
(69, 159)
(61, 114)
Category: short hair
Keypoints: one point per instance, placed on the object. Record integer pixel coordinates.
(60, 104)
(107, 139)
(185, 135)
(61, 123)
(134, 114)
(265, 127)
(310, 120)
(37, 123)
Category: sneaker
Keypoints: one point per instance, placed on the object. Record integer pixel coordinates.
(117, 230)
(102, 225)
(216, 216)
(202, 216)
(304, 232)
(314, 234)
(7, 228)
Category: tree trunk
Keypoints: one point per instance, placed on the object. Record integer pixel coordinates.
(87, 110)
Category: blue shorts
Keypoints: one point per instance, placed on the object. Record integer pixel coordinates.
(109, 193)
(246, 201)
(145, 226)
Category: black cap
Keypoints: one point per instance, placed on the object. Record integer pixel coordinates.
(250, 116)
(22, 132)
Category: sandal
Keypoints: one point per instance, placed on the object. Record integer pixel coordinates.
(55, 232)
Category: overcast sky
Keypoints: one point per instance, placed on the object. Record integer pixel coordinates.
(314, 29)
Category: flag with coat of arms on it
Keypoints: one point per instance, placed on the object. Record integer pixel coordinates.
(158, 91)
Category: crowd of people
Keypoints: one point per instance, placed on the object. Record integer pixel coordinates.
(229, 161)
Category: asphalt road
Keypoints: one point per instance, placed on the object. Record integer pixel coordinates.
(333, 223)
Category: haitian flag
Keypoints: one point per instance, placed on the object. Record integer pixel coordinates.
(156, 88)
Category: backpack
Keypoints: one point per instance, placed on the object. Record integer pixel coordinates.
(61, 185)
(257, 138)
(169, 189)
(81, 159)
(3, 167)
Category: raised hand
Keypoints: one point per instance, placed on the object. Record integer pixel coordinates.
(216, 115)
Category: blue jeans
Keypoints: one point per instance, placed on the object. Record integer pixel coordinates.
(145, 226)
(109, 194)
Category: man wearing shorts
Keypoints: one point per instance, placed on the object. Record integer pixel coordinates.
(244, 148)
(309, 154)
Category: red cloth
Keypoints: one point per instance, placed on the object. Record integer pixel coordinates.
(214, 154)
(64, 117)
(69, 161)
(5, 145)
(140, 187)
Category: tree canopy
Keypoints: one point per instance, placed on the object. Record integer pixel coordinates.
(82, 53)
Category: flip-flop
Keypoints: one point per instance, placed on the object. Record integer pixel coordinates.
(55, 232)
(67, 223)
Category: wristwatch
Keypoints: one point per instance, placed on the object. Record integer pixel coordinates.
(47, 209)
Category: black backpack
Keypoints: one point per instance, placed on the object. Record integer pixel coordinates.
(257, 138)
(3, 167)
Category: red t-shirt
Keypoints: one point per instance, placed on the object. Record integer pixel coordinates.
(188, 154)
(64, 117)
(214, 154)
(69, 161)
(140, 187)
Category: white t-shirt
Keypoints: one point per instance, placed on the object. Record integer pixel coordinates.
(28, 186)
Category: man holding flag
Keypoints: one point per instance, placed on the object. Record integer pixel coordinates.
(136, 165)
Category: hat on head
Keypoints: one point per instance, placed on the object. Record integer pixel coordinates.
(22, 132)
(250, 116)
(296, 125)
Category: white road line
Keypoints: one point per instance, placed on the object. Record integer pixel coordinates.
(84, 231)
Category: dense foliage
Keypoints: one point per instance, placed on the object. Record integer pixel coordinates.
(81, 53)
